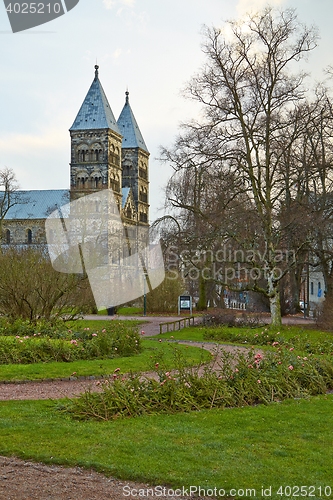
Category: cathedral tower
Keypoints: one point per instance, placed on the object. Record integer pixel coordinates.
(135, 158)
(95, 146)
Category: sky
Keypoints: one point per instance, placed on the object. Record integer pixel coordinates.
(151, 47)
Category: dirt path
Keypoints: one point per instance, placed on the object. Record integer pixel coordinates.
(24, 480)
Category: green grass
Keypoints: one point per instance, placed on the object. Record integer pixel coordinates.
(196, 333)
(124, 311)
(276, 445)
(130, 311)
(142, 362)
(281, 444)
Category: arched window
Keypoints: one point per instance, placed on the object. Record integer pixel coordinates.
(29, 236)
(126, 170)
(143, 195)
(143, 217)
(7, 236)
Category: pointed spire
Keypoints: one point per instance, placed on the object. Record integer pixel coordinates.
(129, 129)
(95, 112)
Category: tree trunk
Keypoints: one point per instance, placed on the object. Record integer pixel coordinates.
(274, 301)
(202, 303)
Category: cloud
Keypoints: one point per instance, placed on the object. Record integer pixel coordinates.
(244, 6)
(127, 9)
(29, 144)
(110, 4)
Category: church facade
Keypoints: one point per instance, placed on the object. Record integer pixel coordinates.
(105, 153)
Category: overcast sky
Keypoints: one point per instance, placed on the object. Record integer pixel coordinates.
(150, 46)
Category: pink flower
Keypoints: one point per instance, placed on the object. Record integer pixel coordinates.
(290, 367)
(94, 335)
(142, 332)
(291, 349)
(117, 370)
(74, 342)
(259, 381)
(250, 366)
(103, 331)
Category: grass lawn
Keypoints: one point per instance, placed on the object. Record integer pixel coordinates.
(144, 361)
(281, 445)
(286, 444)
(196, 333)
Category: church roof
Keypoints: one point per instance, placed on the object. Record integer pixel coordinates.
(129, 129)
(36, 204)
(95, 112)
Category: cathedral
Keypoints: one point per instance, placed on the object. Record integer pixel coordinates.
(105, 153)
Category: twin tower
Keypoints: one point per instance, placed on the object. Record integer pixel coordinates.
(110, 153)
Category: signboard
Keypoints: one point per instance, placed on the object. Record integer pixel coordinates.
(185, 303)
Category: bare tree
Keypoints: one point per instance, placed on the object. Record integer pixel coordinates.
(8, 193)
(317, 181)
(31, 289)
(247, 90)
